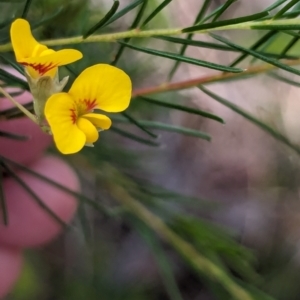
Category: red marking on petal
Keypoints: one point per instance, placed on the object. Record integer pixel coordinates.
(90, 104)
(41, 68)
(73, 115)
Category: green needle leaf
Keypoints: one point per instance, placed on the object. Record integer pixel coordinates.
(63, 188)
(202, 11)
(6, 22)
(14, 112)
(34, 196)
(185, 59)
(13, 136)
(222, 9)
(257, 55)
(215, 12)
(255, 46)
(291, 33)
(3, 207)
(104, 20)
(123, 12)
(198, 19)
(252, 119)
(227, 22)
(133, 137)
(215, 46)
(161, 259)
(170, 128)
(17, 67)
(26, 9)
(289, 46)
(177, 129)
(11, 79)
(156, 11)
(275, 5)
(134, 25)
(195, 43)
(284, 79)
(183, 108)
(285, 8)
(137, 123)
(47, 19)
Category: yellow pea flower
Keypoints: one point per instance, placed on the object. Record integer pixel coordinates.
(38, 59)
(70, 115)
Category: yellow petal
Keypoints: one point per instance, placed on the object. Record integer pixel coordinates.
(88, 129)
(24, 44)
(100, 121)
(49, 60)
(109, 86)
(61, 114)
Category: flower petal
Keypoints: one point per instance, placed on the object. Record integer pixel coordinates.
(24, 44)
(88, 129)
(60, 112)
(99, 121)
(45, 63)
(109, 86)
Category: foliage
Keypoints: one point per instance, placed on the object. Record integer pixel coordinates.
(127, 35)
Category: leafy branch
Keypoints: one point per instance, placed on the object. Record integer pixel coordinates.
(270, 24)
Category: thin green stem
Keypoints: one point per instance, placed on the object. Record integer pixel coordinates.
(187, 251)
(284, 24)
(19, 106)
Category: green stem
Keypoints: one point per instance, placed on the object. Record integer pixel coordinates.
(188, 252)
(19, 106)
(137, 33)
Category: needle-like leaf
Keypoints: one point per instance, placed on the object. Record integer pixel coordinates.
(13, 80)
(255, 46)
(13, 136)
(133, 25)
(199, 18)
(34, 196)
(226, 22)
(137, 123)
(284, 79)
(98, 206)
(168, 127)
(258, 55)
(185, 59)
(183, 108)
(134, 137)
(104, 20)
(26, 9)
(123, 12)
(252, 119)
(215, 46)
(285, 8)
(222, 9)
(156, 11)
(275, 5)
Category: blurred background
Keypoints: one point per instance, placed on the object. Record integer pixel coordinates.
(235, 198)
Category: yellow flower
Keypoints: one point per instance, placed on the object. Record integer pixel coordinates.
(70, 116)
(38, 59)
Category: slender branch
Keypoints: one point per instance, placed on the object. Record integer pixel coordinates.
(19, 106)
(166, 87)
(188, 251)
(283, 24)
